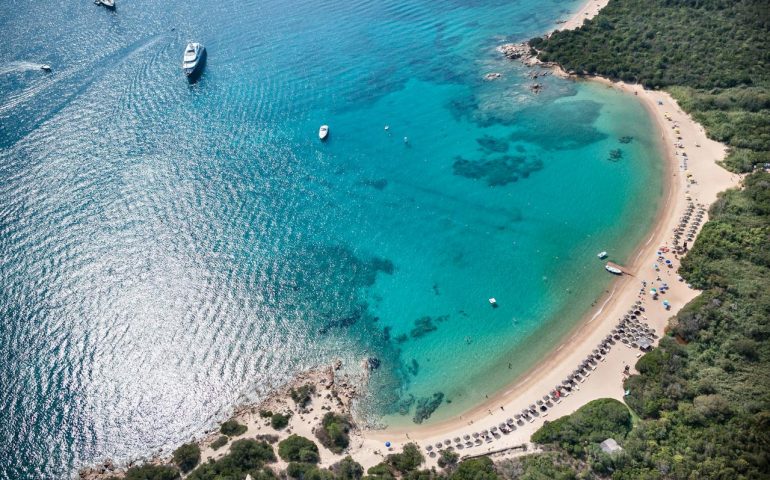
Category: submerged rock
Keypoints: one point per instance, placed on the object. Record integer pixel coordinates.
(426, 406)
(373, 363)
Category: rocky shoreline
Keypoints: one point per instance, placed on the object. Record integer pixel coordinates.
(333, 392)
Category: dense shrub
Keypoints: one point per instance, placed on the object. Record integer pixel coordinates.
(220, 442)
(279, 421)
(710, 54)
(406, 461)
(333, 432)
(347, 469)
(381, 471)
(187, 456)
(592, 423)
(152, 472)
(303, 395)
(298, 449)
(232, 428)
(245, 456)
(480, 468)
(448, 459)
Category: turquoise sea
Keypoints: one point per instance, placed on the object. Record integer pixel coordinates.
(171, 250)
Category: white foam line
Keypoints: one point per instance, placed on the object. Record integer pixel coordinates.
(601, 309)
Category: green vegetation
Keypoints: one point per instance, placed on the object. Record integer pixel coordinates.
(710, 54)
(245, 457)
(590, 425)
(232, 428)
(187, 456)
(381, 471)
(333, 432)
(448, 459)
(406, 461)
(703, 396)
(303, 395)
(298, 449)
(307, 471)
(347, 469)
(480, 468)
(220, 442)
(546, 466)
(152, 472)
(279, 421)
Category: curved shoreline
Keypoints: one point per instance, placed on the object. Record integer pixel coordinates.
(367, 446)
(604, 382)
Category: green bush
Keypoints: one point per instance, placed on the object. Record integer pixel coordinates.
(152, 472)
(333, 432)
(480, 468)
(448, 459)
(347, 469)
(303, 395)
(381, 471)
(245, 456)
(406, 461)
(298, 449)
(279, 421)
(592, 423)
(220, 442)
(232, 428)
(187, 456)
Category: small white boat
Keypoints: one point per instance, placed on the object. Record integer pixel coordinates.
(106, 3)
(323, 132)
(493, 302)
(45, 68)
(614, 270)
(602, 255)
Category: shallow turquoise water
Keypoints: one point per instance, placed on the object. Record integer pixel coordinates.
(171, 250)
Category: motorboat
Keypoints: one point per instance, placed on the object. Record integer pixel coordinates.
(323, 132)
(45, 68)
(194, 58)
(110, 4)
(613, 270)
(602, 255)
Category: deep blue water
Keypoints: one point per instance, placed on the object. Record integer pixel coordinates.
(170, 250)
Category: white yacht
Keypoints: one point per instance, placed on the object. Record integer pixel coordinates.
(323, 132)
(194, 58)
(110, 4)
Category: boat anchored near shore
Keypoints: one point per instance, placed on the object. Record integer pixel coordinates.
(323, 132)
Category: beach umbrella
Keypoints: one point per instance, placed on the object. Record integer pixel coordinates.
(466, 437)
(447, 442)
(546, 397)
(439, 444)
(539, 402)
(502, 426)
(387, 444)
(532, 407)
(457, 439)
(427, 447)
(475, 434)
(510, 421)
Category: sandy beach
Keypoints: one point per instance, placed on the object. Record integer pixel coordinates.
(606, 381)
(694, 178)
